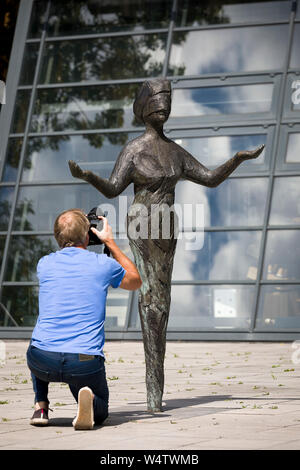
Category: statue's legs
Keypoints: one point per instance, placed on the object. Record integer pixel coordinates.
(154, 259)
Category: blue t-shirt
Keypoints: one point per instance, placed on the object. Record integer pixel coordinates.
(72, 299)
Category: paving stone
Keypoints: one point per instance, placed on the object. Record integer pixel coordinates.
(218, 395)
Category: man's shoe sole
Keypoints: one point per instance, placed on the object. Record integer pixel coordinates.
(85, 414)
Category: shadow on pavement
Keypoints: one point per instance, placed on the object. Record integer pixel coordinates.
(181, 407)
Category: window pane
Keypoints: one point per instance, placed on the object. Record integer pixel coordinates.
(12, 159)
(116, 308)
(47, 157)
(285, 208)
(279, 307)
(117, 299)
(295, 56)
(282, 255)
(20, 111)
(214, 151)
(2, 243)
(195, 13)
(29, 63)
(24, 254)
(6, 198)
(21, 306)
(240, 99)
(38, 206)
(293, 153)
(235, 202)
(84, 108)
(104, 59)
(224, 256)
(38, 18)
(85, 17)
(229, 50)
(211, 307)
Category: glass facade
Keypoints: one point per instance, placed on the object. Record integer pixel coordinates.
(234, 68)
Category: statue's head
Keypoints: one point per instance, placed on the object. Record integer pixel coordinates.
(153, 101)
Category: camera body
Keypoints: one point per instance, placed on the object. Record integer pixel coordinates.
(97, 224)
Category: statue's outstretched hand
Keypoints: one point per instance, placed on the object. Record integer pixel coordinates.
(76, 171)
(250, 154)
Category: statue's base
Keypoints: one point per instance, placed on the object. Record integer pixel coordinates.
(154, 410)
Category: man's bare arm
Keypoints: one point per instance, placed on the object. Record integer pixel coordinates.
(131, 280)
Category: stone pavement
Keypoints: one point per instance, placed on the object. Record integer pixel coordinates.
(218, 395)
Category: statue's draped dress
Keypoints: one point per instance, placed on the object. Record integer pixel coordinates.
(154, 259)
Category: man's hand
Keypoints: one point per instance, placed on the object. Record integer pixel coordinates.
(106, 234)
(250, 154)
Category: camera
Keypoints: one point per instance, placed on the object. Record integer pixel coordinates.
(97, 224)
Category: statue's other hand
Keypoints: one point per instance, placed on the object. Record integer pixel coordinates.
(250, 154)
(75, 169)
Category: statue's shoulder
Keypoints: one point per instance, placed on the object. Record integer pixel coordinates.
(134, 145)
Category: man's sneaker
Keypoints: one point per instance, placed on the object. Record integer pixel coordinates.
(40, 417)
(85, 411)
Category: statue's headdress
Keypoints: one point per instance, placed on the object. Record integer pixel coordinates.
(148, 89)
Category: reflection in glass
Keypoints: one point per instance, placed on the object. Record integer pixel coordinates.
(29, 62)
(47, 157)
(223, 256)
(293, 150)
(195, 13)
(229, 50)
(236, 202)
(211, 307)
(20, 111)
(214, 151)
(295, 56)
(285, 207)
(19, 306)
(86, 17)
(94, 107)
(6, 198)
(282, 255)
(24, 254)
(38, 206)
(116, 308)
(38, 18)
(104, 59)
(240, 99)
(12, 159)
(279, 307)
(117, 299)
(2, 243)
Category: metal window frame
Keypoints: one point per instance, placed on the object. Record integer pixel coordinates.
(14, 70)
(290, 116)
(270, 124)
(279, 116)
(282, 164)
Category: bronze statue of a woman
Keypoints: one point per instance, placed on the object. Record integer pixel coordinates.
(154, 164)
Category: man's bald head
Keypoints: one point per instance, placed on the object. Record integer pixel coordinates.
(71, 228)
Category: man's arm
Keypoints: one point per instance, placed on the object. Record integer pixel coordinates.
(131, 280)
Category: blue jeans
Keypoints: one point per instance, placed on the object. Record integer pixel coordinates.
(77, 370)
